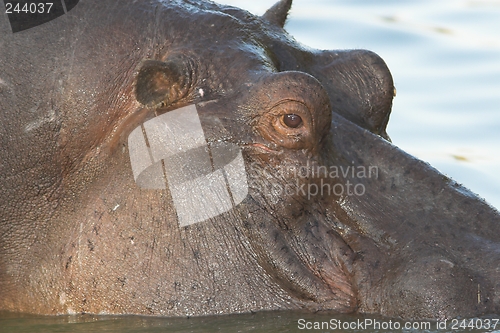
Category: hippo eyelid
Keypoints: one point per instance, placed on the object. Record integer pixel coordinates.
(275, 130)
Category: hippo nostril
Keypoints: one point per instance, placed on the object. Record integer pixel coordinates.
(292, 120)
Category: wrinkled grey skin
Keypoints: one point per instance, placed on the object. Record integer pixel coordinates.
(78, 235)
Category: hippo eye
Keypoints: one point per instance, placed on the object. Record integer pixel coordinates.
(292, 120)
(289, 124)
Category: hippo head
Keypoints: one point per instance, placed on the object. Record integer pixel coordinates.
(271, 101)
(322, 203)
(198, 160)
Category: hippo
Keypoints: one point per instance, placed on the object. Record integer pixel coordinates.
(184, 158)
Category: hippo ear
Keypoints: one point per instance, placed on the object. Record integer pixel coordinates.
(161, 83)
(278, 13)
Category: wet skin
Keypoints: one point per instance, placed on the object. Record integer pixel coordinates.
(79, 235)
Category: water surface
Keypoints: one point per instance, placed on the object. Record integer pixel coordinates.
(264, 322)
